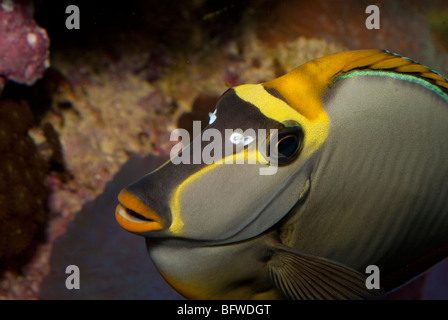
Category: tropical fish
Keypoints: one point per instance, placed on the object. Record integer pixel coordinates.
(357, 144)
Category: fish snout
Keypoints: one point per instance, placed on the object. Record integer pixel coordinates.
(135, 216)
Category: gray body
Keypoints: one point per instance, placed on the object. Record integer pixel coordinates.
(380, 185)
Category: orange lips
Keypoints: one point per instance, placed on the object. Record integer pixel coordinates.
(133, 215)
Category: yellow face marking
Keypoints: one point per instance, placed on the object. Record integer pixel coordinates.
(269, 105)
(315, 129)
(244, 156)
(177, 223)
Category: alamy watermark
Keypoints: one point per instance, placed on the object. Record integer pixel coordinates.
(73, 20)
(373, 20)
(233, 146)
(73, 281)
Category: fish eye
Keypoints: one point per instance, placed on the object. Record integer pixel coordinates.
(289, 143)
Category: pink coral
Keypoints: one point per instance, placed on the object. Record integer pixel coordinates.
(24, 45)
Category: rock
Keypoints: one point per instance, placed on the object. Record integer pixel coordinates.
(24, 46)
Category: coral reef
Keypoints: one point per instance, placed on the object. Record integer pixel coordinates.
(23, 44)
(404, 27)
(23, 194)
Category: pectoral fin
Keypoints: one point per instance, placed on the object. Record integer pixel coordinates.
(303, 276)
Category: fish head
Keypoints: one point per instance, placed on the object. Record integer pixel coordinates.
(245, 172)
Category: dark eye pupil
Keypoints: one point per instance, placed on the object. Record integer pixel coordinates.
(287, 146)
(288, 143)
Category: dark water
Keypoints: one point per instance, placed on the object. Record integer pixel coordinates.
(113, 263)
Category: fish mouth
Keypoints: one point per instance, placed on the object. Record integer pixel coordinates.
(134, 216)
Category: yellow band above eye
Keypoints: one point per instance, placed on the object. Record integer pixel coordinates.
(315, 129)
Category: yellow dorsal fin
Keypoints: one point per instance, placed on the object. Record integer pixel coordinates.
(303, 87)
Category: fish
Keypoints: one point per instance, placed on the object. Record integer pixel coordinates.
(329, 182)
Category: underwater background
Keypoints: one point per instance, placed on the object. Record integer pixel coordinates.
(84, 112)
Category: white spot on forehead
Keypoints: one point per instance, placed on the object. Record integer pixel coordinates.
(31, 38)
(8, 5)
(212, 117)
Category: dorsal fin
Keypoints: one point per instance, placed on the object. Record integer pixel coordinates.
(303, 87)
(391, 62)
